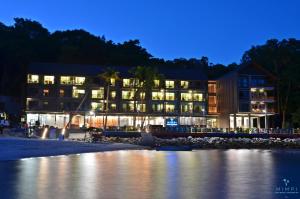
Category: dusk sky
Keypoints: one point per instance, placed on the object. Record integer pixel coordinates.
(219, 29)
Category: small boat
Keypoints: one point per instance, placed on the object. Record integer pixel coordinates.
(173, 148)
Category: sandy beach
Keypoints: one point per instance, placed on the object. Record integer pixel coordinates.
(18, 148)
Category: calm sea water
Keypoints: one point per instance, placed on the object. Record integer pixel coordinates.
(216, 174)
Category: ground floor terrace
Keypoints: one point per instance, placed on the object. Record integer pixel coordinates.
(250, 120)
(61, 120)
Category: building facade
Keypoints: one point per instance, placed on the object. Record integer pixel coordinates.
(60, 95)
(246, 98)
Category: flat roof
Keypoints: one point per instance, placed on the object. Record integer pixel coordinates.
(93, 70)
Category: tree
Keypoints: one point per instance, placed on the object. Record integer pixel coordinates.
(143, 81)
(107, 76)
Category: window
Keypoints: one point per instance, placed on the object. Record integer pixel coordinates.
(157, 107)
(142, 95)
(128, 94)
(212, 88)
(98, 94)
(186, 96)
(97, 106)
(113, 107)
(212, 100)
(169, 84)
(127, 82)
(170, 107)
(69, 80)
(156, 83)
(197, 97)
(61, 93)
(141, 107)
(46, 92)
(157, 95)
(257, 81)
(66, 80)
(32, 79)
(187, 107)
(243, 82)
(48, 79)
(113, 82)
(170, 96)
(197, 108)
(212, 109)
(77, 93)
(244, 95)
(79, 80)
(128, 107)
(184, 84)
(113, 94)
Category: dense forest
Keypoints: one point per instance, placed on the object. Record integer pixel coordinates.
(28, 41)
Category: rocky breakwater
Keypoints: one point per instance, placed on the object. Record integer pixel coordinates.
(229, 143)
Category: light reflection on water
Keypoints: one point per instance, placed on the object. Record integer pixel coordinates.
(150, 174)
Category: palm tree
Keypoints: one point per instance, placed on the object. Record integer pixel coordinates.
(143, 81)
(107, 75)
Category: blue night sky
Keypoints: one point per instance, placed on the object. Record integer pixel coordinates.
(219, 29)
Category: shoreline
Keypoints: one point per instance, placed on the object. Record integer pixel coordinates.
(14, 148)
(18, 148)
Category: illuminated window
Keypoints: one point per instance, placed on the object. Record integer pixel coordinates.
(65, 80)
(113, 94)
(33, 79)
(212, 100)
(46, 92)
(170, 96)
(142, 95)
(157, 95)
(77, 93)
(61, 93)
(198, 108)
(69, 80)
(79, 80)
(112, 82)
(186, 96)
(212, 88)
(113, 107)
(212, 109)
(156, 83)
(98, 94)
(141, 107)
(187, 107)
(128, 94)
(198, 97)
(98, 106)
(184, 84)
(48, 79)
(170, 107)
(128, 107)
(169, 84)
(157, 107)
(127, 82)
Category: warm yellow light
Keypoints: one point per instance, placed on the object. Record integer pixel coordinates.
(44, 133)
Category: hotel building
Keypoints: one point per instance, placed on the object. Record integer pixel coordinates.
(246, 98)
(61, 94)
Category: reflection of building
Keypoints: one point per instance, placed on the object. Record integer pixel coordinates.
(246, 98)
(58, 93)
